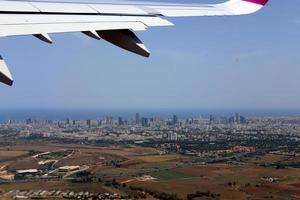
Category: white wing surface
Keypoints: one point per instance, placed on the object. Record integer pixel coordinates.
(114, 22)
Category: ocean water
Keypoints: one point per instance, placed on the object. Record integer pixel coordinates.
(61, 114)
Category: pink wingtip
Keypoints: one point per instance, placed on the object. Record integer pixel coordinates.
(260, 2)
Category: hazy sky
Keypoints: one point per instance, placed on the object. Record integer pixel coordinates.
(203, 62)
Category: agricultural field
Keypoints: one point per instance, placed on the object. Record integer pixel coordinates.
(169, 174)
(8, 155)
(11, 154)
(230, 181)
(256, 177)
(160, 158)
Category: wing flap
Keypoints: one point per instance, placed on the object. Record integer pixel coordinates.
(32, 29)
(25, 24)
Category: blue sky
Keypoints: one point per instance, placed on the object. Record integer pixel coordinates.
(203, 63)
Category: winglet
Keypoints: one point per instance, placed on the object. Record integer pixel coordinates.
(227, 8)
(243, 7)
(5, 75)
(259, 2)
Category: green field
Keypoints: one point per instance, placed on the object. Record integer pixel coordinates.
(169, 174)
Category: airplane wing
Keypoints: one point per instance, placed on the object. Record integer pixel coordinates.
(114, 22)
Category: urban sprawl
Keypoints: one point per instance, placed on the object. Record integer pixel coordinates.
(118, 153)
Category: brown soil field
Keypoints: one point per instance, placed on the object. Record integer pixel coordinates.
(247, 175)
(11, 154)
(86, 158)
(206, 170)
(285, 188)
(268, 158)
(120, 151)
(296, 185)
(256, 172)
(216, 177)
(24, 163)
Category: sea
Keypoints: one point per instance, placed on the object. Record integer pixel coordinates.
(83, 114)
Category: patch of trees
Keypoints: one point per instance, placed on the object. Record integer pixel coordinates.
(202, 194)
(156, 194)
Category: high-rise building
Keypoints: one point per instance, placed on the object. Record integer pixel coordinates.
(145, 122)
(67, 121)
(237, 118)
(175, 119)
(74, 122)
(211, 119)
(242, 120)
(120, 121)
(109, 120)
(88, 123)
(137, 118)
(29, 121)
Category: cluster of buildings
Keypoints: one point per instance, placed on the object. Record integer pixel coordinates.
(58, 194)
(141, 129)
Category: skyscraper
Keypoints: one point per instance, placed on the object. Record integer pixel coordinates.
(145, 122)
(137, 118)
(211, 119)
(109, 120)
(175, 119)
(120, 121)
(88, 123)
(28, 121)
(237, 118)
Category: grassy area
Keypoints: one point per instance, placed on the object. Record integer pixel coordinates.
(169, 174)
(159, 158)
